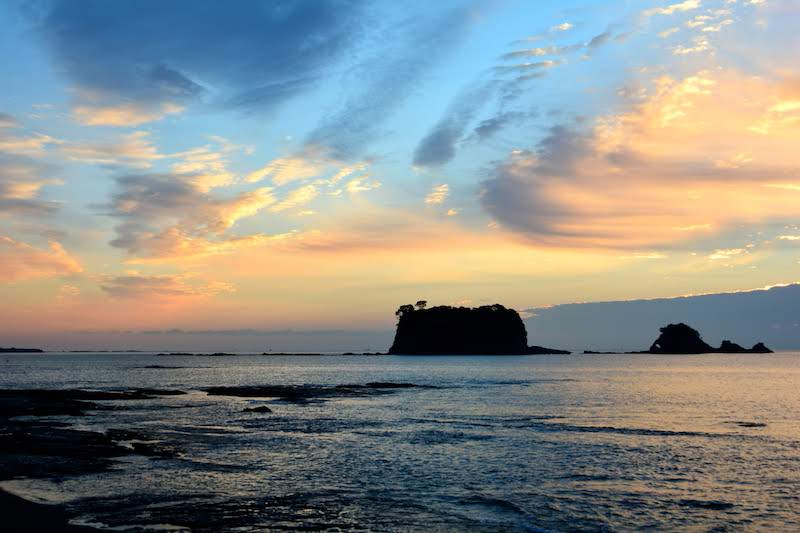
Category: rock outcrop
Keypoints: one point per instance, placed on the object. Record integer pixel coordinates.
(683, 339)
(760, 348)
(680, 338)
(444, 330)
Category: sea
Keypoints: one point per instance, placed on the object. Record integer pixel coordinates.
(485, 443)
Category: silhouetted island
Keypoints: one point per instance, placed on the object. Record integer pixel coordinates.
(445, 330)
(684, 339)
(21, 350)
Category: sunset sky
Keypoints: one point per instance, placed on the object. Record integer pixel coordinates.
(310, 166)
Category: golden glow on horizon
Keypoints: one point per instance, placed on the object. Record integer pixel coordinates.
(673, 171)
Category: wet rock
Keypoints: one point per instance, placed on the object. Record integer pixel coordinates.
(21, 515)
(307, 393)
(259, 409)
(388, 385)
(541, 350)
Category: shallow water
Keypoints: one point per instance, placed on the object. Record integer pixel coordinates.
(602, 442)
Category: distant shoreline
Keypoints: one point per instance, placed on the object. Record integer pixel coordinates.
(156, 353)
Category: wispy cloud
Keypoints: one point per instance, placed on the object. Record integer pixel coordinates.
(385, 79)
(137, 285)
(646, 177)
(687, 5)
(171, 216)
(121, 78)
(438, 194)
(20, 261)
(439, 145)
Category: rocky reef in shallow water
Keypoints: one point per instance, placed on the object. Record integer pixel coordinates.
(683, 339)
(444, 330)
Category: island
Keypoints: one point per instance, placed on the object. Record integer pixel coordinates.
(445, 330)
(683, 339)
(20, 350)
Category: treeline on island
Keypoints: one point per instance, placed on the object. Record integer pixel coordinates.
(445, 330)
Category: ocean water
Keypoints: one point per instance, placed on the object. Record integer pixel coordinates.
(538, 443)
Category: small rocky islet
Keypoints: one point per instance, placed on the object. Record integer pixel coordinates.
(445, 330)
(683, 339)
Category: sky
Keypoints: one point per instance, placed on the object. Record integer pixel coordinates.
(291, 172)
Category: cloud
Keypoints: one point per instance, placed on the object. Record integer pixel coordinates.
(438, 194)
(134, 61)
(33, 145)
(124, 115)
(7, 121)
(24, 176)
(489, 127)
(366, 232)
(439, 145)
(301, 166)
(640, 178)
(326, 171)
(387, 76)
(726, 253)
(136, 285)
(698, 44)
(687, 5)
(134, 150)
(21, 181)
(632, 325)
(361, 184)
(554, 50)
(20, 261)
(296, 198)
(207, 165)
(173, 216)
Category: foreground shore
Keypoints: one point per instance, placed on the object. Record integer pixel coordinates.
(20, 515)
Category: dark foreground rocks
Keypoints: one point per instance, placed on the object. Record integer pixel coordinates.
(20, 515)
(307, 393)
(33, 444)
(259, 409)
(540, 350)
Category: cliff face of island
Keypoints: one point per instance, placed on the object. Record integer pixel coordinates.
(444, 330)
(683, 339)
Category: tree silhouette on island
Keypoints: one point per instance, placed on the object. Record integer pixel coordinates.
(445, 330)
(498, 330)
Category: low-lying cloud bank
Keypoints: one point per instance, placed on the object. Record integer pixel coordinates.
(771, 315)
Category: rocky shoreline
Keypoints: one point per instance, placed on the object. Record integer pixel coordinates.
(39, 440)
(37, 445)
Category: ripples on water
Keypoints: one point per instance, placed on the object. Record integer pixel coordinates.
(492, 444)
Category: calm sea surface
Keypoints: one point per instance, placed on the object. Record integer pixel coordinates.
(606, 442)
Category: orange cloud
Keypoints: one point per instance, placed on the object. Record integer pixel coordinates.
(136, 285)
(687, 157)
(20, 261)
(125, 115)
